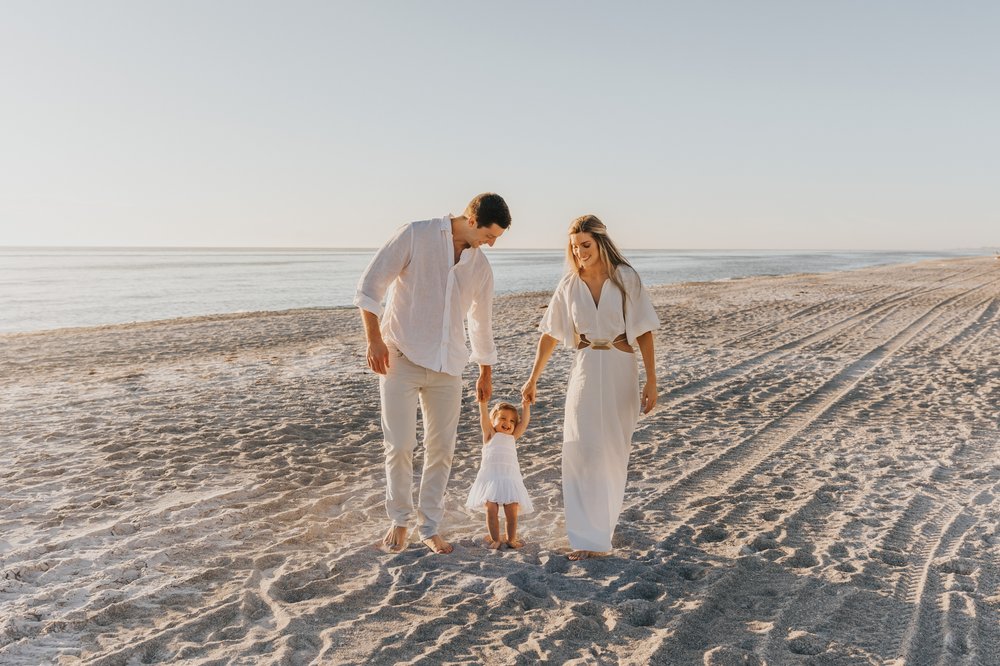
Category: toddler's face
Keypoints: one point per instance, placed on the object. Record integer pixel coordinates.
(504, 421)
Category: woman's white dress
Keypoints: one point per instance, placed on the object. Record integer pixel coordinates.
(499, 478)
(602, 400)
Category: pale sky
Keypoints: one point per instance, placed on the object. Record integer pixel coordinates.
(784, 125)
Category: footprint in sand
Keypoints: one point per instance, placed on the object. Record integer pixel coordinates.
(640, 589)
(729, 655)
(714, 533)
(762, 543)
(802, 559)
(800, 642)
(637, 612)
(893, 558)
(692, 573)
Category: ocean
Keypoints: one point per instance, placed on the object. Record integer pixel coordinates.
(46, 288)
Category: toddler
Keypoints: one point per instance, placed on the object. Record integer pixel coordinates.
(499, 481)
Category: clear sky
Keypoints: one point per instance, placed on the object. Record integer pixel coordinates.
(787, 125)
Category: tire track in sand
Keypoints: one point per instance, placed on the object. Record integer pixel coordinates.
(880, 310)
(721, 473)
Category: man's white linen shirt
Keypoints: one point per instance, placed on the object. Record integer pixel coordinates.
(430, 296)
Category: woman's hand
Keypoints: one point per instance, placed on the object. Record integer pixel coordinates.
(648, 397)
(546, 344)
(528, 392)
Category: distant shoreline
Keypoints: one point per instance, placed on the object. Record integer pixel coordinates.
(281, 312)
(298, 249)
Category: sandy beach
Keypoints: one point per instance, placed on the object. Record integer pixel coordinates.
(819, 484)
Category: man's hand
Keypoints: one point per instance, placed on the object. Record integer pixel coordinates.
(378, 357)
(378, 353)
(484, 385)
(528, 392)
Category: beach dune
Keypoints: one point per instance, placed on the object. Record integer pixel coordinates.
(819, 484)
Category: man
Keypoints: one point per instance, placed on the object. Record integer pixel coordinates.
(416, 345)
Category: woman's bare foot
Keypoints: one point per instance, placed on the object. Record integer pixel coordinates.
(438, 545)
(493, 544)
(395, 539)
(515, 543)
(578, 555)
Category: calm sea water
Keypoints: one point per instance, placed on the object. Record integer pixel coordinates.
(56, 288)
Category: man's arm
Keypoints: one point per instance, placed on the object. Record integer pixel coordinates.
(378, 353)
(484, 351)
(384, 268)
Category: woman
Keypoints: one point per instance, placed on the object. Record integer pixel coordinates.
(601, 310)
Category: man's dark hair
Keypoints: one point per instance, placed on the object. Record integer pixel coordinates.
(489, 209)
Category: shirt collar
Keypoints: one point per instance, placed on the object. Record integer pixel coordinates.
(463, 257)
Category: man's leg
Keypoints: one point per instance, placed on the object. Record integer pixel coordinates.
(440, 403)
(399, 389)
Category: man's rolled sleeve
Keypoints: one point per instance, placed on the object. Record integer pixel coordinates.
(383, 270)
(366, 303)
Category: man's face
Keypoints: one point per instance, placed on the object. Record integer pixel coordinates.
(485, 235)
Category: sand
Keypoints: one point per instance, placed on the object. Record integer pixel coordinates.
(818, 484)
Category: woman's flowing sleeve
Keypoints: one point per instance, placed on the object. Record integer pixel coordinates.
(558, 319)
(640, 315)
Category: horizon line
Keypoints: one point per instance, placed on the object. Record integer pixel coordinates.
(302, 248)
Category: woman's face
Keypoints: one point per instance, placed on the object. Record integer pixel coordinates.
(585, 250)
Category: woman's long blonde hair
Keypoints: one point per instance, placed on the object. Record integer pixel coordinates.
(609, 252)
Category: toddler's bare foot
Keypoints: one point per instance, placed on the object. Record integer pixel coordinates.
(515, 543)
(395, 539)
(493, 544)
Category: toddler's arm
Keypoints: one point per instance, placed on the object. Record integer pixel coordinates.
(484, 421)
(522, 425)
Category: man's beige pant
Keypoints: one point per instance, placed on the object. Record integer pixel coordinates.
(440, 396)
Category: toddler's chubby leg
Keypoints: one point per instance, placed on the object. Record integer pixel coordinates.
(510, 514)
(493, 539)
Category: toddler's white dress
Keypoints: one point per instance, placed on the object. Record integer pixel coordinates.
(499, 478)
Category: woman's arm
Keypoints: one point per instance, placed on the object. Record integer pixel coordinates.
(546, 345)
(484, 421)
(645, 342)
(522, 425)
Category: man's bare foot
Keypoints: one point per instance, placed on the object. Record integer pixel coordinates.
(438, 545)
(395, 539)
(578, 555)
(515, 543)
(493, 544)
